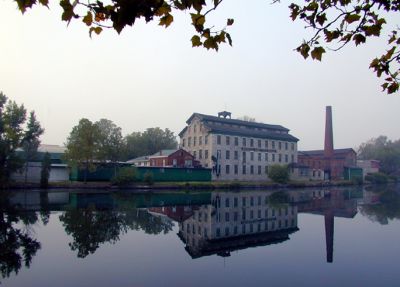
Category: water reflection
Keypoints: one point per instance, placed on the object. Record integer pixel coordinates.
(210, 223)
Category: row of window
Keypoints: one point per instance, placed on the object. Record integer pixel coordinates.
(252, 143)
(246, 228)
(260, 156)
(250, 215)
(248, 201)
(189, 141)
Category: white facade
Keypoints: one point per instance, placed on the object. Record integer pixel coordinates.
(241, 150)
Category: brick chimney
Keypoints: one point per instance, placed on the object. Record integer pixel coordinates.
(328, 148)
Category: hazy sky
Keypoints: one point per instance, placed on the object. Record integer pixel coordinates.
(150, 76)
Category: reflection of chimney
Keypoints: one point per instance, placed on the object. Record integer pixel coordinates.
(329, 229)
(328, 149)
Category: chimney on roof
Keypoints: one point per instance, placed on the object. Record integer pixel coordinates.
(328, 148)
(224, 114)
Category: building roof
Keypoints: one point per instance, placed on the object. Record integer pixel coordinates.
(51, 148)
(235, 127)
(336, 152)
(138, 159)
(164, 152)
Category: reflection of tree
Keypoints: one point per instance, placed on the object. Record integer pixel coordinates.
(17, 247)
(278, 199)
(387, 209)
(90, 227)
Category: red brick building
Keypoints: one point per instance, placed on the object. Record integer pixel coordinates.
(334, 165)
(173, 158)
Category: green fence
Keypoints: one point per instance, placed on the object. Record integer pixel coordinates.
(159, 174)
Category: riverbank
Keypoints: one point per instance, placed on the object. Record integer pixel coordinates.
(184, 185)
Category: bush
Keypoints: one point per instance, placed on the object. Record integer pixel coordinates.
(148, 178)
(279, 173)
(377, 178)
(125, 175)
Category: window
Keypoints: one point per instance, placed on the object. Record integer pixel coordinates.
(235, 216)
(200, 154)
(244, 169)
(194, 128)
(286, 146)
(236, 154)
(236, 168)
(183, 143)
(206, 139)
(200, 140)
(259, 227)
(273, 157)
(189, 141)
(251, 169)
(266, 156)
(279, 157)
(259, 213)
(227, 202)
(251, 142)
(243, 141)
(218, 232)
(227, 216)
(235, 230)
(251, 227)
(273, 212)
(194, 154)
(273, 144)
(243, 201)
(206, 154)
(292, 146)
(244, 228)
(259, 143)
(251, 214)
(227, 154)
(194, 141)
(228, 140)
(251, 201)
(259, 200)
(280, 145)
(266, 144)
(251, 155)
(259, 169)
(259, 156)
(218, 139)
(244, 156)
(236, 141)
(292, 158)
(227, 167)
(235, 202)
(243, 214)
(266, 169)
(226, 231)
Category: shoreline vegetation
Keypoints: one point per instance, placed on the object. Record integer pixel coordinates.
(184, 186)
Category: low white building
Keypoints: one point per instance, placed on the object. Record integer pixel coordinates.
(237, 149)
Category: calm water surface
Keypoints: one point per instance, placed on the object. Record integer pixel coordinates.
(329, 237)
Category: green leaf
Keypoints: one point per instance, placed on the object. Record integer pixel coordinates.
(350, 18)
(316, 53)
(166, 20)
(196, 41)
(88, 19)
(198, 19)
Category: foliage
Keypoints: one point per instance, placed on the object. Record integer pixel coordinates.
(278, 199)
(335, 23)
(31, 142)
(110, 141)
(148, 178)
(378, 178)
(357, 180)
(384, 150)
(338, 23)
(149, 142)
(13, 136)
(247, 119)
(125, 175)
(83, 146)
(279, 173)
(45, 171)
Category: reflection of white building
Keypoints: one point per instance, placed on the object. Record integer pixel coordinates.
(241, 218)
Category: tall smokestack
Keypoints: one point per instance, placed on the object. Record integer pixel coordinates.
(329, 230)
(328, 149)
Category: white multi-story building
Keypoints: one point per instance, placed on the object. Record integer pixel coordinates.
(236, 149)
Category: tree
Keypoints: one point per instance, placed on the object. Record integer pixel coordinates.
(111, 142)
(279, 173)
(45, 171)
(149, 142)
(247, 119)
(83, 145)
(31, 141)
(13, 136)
(335, 23)
(384, 150)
